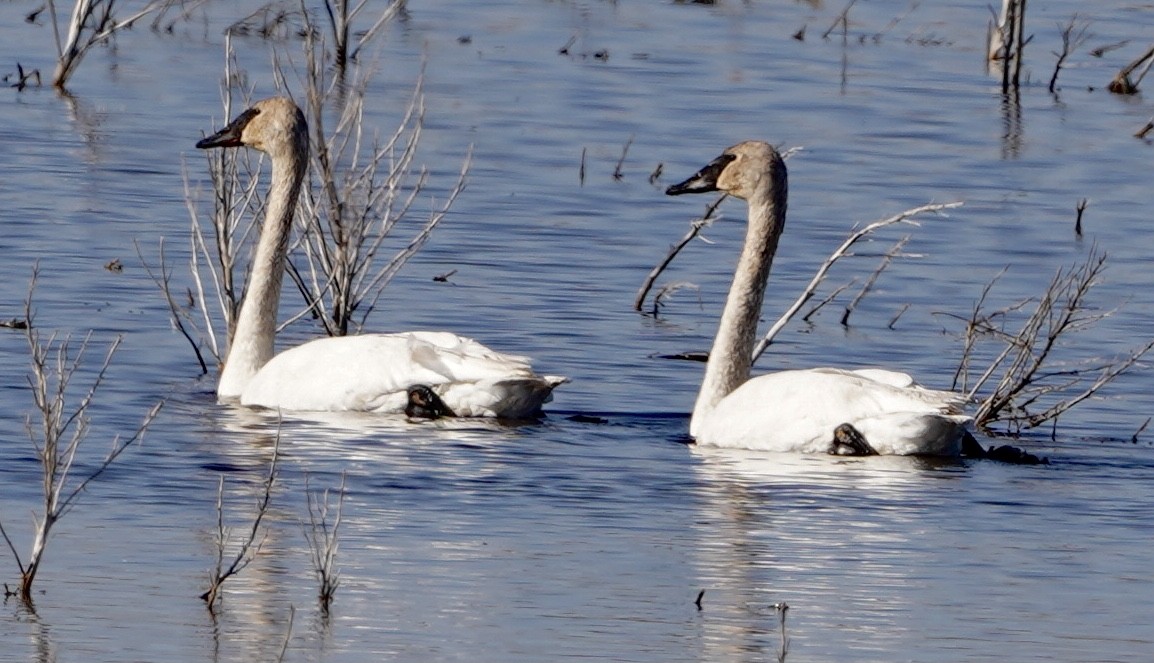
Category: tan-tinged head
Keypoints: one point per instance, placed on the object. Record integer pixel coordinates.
(747, 170)
(275, 126)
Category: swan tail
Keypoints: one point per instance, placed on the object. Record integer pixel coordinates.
(505, 398)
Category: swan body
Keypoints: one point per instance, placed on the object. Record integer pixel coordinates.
(373, 372)
(370, 372)
(798, 410)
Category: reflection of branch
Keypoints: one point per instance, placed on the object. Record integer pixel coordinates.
(288, 634)
(782, 608)
(840, 252)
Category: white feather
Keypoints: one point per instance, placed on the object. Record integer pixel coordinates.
(799, 410)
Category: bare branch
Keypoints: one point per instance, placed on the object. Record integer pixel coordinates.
(64, 426)
(162, 279)
(1020, 371)
(322, 537)
(666, 292)
(840, 252)
(869, 284)
(695, 228)
(1122, 83)
(829, 298)
(1074, 34)
(91, 24)
(249, 546)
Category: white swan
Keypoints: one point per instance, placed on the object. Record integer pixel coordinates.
(372, 372)
(813, 410)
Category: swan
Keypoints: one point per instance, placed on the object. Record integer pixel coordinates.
(421, 373)
(866, 411)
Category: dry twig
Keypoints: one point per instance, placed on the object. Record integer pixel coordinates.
(828, 298)
(695, 228)
(840, 252)
(322, 537)
(1026, 384)
(617, 173)
(1122, 83)
(63, 428)
(894, 251)
(91, 23)
(842, 20)
(249, 546)
(1074, 34)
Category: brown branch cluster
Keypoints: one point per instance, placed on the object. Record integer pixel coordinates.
(356, 226)
(1029, 381)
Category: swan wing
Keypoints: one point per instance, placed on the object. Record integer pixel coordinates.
(799, 410)
(372, 373)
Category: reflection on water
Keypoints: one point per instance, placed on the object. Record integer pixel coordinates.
(565, 538)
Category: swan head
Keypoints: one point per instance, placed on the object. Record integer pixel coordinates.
(274, 126)
(745, 171)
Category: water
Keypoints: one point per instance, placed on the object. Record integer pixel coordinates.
(566, 539)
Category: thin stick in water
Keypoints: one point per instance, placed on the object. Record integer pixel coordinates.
(695, 228)
(869, 284)
(617, 174)
(840, 252)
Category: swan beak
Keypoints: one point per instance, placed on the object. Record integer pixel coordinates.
(231, 135)
(705, 180)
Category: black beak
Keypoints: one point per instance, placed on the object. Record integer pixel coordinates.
(705, 180)
(230, 135)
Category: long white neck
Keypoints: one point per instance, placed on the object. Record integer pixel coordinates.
(252, 342)
(729, 359)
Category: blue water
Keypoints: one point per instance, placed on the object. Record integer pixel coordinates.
(568, 539)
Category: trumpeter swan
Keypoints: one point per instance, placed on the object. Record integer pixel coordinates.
(423, 373)
(812, 410)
